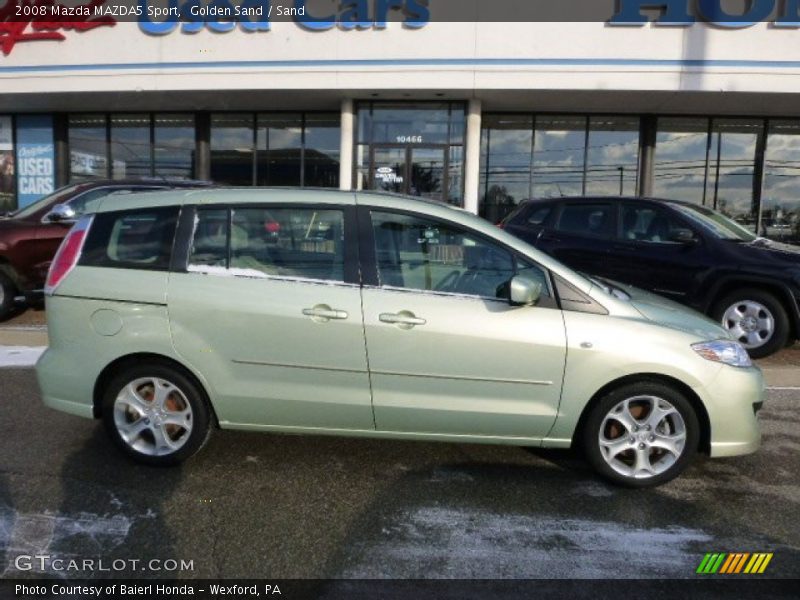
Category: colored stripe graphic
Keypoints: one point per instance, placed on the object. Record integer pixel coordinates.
(734, 563)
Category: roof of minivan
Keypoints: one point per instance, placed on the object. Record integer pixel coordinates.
(251, 195)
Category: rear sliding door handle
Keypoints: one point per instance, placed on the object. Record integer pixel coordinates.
(322, 313)
(404, 319)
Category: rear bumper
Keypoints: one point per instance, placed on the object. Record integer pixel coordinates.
(732, 400)
(60, 376)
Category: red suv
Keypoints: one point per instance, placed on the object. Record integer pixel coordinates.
(30, 236)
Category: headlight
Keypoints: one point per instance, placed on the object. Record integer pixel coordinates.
(724, 351)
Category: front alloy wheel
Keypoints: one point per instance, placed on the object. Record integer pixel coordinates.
(642, 434)
(756, 319)
(156, 414)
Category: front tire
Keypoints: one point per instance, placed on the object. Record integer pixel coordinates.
(156, 414)
(8, 291)
(641, 434)
(756, 319)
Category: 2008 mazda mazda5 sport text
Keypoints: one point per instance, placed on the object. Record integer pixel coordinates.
(371, 315)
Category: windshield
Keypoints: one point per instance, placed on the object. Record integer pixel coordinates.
(53, 198)
(715, 223)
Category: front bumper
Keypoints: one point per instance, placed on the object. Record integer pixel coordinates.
(732, 399)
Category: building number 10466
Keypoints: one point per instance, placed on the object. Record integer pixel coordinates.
(409, 139)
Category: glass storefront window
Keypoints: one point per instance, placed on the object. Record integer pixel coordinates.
(8, 188)
(425, 143)
(232, 149)
(88, 147)
(280, 149)
(732, 168)
(506, 156)
(130, 146)
(174, 145)
(680, 159)
(406, 123)
(559, 150)
(321, 154)
(780, 200)
(612, 157)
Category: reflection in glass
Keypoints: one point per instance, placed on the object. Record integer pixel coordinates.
(130, 146)
(322, 150)
(680, 159)
(612, 156)
(558, 156)
(427, 123)
(427, 173)
(280, 149)
(506, 147)
(87, 147)
(174, 147)
(232, 150)
(780, 201)
(729, 188)
(455, 175)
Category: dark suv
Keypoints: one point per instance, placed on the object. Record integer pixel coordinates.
(688, 253)
(30, 236)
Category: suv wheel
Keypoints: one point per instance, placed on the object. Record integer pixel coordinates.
(156, 415)
(756, 319)
(641, 435)
(7, 293)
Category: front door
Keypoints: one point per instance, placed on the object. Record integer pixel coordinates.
(447, 353)
(269, 311)
(412, 170)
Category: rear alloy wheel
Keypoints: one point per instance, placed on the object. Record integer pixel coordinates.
(641, 435)
(7, 293)
(756, 319)
(156, 414)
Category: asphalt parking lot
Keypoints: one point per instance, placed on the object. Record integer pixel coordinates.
(257, 505)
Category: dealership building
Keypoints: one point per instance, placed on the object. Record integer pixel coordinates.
(476, 114)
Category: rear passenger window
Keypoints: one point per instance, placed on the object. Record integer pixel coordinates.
(131, 239)
(587, 219)
(262, 242)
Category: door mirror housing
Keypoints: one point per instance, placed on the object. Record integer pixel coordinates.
(682, 236)
(61, 213)
(524, 291)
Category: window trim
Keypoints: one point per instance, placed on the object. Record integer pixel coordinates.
(369, 263)
(186, 227)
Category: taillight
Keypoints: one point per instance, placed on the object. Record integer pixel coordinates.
(68, 254)
(272, 226)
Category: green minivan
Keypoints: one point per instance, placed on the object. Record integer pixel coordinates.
(363, 314)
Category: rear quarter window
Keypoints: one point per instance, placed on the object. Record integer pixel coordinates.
(131, 239)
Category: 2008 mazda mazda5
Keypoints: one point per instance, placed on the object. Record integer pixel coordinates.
(296, 311)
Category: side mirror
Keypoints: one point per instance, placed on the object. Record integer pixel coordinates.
(524, 291)
(61, 213)
(682, 236)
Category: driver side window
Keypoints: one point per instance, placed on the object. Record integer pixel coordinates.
(422, 254)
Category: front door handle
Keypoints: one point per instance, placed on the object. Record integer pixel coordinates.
(404, 319)
(322, 313)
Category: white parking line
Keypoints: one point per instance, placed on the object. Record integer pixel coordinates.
(20, 356)
(783, 389)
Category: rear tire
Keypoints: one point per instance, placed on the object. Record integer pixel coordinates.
(156, 414)
(8, 292)
(756, 319)
(641, 435)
